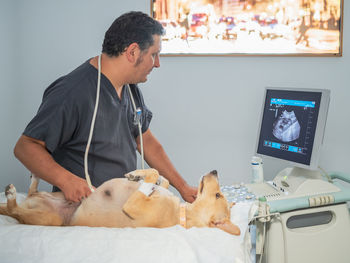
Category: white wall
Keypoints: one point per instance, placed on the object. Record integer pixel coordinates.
(205, 109)
(8, 99)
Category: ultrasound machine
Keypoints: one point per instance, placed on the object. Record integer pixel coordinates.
(302, 214)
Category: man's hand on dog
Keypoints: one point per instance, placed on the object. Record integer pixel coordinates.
(75, 189)
(188, 193)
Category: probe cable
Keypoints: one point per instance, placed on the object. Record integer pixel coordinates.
(137, 117)
(87, 176)
(137, 113)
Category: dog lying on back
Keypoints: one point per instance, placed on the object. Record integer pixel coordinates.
(122, 202)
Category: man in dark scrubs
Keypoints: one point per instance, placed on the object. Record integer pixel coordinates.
(53, 144)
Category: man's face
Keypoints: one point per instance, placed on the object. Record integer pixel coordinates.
(148, 60)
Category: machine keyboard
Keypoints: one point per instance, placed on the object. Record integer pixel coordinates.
(237, 193)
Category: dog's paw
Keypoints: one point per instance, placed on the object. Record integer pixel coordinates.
(148, 175)
(10, 192)
(34, 178)
(134, 176)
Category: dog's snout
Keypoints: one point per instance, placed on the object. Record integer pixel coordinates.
(214, 172)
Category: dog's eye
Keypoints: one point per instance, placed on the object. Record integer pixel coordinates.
(218, 195)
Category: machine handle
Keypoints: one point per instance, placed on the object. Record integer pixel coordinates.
(341, 176)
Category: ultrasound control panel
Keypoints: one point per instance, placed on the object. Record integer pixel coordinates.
(237, 193)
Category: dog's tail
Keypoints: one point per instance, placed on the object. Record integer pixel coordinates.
(3, 209)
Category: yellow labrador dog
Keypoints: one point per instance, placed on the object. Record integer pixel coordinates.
(124, 202)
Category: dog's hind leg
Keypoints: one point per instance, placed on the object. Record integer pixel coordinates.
(36, 217)
(3, 209)
(10, 193)
(26, 215)
(11, 206)
(34, 182)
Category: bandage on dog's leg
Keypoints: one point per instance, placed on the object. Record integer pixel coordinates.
(147, 188)
(151, 178)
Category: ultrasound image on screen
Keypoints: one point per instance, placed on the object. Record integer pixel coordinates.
(289, 124)
(286, 128)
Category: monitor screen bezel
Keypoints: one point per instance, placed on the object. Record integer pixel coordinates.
(319, 132)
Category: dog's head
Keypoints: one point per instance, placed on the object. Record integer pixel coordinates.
(211, 205)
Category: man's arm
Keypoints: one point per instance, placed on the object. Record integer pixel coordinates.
(156, 157)
(33, 154)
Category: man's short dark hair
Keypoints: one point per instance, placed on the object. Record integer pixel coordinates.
(132, 27)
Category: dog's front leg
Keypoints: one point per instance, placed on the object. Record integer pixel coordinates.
(138, 175)
(139, 205)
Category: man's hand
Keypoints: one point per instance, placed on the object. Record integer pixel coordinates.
(156, 158)
(34, 155)
(75, 189)
(188, 193)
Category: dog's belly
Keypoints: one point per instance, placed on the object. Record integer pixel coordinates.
(52, 202)
(104, 206)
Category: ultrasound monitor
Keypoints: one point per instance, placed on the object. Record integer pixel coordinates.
(292, 125)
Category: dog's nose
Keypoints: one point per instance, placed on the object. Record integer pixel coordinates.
(214, 172)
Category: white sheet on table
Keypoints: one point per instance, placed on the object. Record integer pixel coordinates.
(25, 243)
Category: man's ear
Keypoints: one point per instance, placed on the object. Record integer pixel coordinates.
(133, 52)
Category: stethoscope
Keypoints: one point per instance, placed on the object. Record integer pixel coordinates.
(137, 121)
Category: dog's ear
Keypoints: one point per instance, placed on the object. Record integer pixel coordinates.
(214, 172)
(227, 226)
(201, 185)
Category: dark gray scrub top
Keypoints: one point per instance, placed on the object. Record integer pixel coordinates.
(64, 118)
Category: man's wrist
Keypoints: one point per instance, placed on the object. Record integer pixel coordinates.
(64, 180)
(179, 183)
(181, 187)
